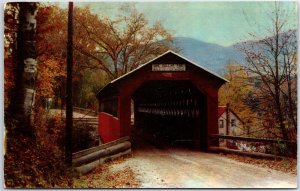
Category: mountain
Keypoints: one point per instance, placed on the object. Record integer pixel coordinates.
(211, 56)
(215, 57)
(291, 35)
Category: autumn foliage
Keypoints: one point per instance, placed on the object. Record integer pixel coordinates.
(29, 165)
(10, 31)
(236, 94)
(103, 51)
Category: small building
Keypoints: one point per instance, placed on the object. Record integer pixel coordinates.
(236, 125)
(170, 98)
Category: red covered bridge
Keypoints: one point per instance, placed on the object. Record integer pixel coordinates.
(169, 98)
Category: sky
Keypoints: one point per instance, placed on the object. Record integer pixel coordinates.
(223, 23)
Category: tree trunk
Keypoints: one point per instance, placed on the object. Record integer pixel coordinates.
(26, 68)
(277, 77)
(280, 117)
(116, 67)
(291, 102)
(69, 101)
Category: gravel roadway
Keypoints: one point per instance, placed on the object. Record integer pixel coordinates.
(183, 168)
(75, 114)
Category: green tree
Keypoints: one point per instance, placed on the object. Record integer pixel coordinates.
(89, 85)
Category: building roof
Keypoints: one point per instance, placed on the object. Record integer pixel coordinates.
(147, 63)
(222, 109)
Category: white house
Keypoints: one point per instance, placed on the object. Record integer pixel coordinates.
(236, 126)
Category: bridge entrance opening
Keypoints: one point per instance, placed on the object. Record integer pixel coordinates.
(171, 113)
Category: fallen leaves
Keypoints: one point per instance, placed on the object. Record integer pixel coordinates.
(27, 165)
(288, 165)
(104, 177)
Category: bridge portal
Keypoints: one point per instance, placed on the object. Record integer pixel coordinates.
(168, 99)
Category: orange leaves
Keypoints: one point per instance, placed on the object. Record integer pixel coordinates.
(46, 83)
(8, 78)
(104, 177)
(27, 165)
(51, 31)
(10, 34)
(124, 178)
(121, 44)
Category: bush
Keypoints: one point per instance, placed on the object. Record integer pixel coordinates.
(281, 149)
(83, 137)
(231, 144)
(49, 130)
(33, 162)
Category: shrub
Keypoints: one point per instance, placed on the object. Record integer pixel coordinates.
(281, 149)
(83, 136)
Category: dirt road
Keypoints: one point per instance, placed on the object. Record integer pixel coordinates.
(75, 114)
(181, 168)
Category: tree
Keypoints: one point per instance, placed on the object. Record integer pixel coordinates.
(51, 52)
(271, 62)
(11, 13)
(119, 46)
(236, 93)
(46, 83)
(51, 42)
(88, 86)
(289, 87)
(51, 62)
(26, 68)
(92, 56)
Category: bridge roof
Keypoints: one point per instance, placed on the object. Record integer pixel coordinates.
(109, 85)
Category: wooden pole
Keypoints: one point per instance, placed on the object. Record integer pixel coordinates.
(69, 101)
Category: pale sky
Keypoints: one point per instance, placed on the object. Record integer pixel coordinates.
(223, 23)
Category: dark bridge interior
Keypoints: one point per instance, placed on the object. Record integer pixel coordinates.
(171, 113)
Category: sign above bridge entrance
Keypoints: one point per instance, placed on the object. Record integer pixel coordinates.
(168, 67)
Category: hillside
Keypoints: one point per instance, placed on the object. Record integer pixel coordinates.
(211, 56)
(215, 57)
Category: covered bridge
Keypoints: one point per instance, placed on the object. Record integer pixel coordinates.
(169, 98)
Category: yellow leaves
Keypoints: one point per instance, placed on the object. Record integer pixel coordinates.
(46, 83)
(236, 91)
(123, 42)
(237, 87)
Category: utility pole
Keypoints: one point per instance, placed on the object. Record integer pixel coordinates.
(69, 99)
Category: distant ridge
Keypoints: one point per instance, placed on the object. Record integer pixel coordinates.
(211, 56)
